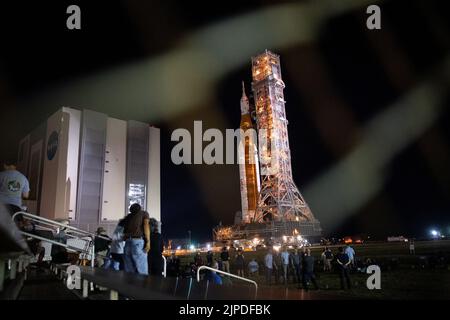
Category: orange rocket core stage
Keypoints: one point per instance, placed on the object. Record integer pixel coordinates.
(249, 167)
(251, 175)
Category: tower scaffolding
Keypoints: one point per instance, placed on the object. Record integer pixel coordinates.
(281, 211)
(279, 200)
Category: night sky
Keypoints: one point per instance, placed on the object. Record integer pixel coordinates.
(334, 86)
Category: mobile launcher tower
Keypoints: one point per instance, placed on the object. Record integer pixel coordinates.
(272, 206)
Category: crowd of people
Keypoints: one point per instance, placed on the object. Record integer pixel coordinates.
(278, 267)
(299, 266)
(136, 245)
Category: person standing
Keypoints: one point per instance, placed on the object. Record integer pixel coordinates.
(412, 247)
(253, 268)
(101, 246)
(225, 258)
(296, 263)
(277, 266)
(154, 257)
(308, 270)
(268, 262)
(212, 275)
(303, 253)
(302, 261)
(136, 227)
(285, 264)
(14, 187)
(343, 262)
(209, 258)
(351, 254)
(327, 257)
(198, 260)
(240, 263)
(117, 249)
(173, 266)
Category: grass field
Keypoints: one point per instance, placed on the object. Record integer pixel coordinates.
(425, 275)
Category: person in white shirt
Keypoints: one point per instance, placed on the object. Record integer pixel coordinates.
(14, 187)
(117, 248)
(268, 262)
(351, 254)
(285, 263)
(253, 267)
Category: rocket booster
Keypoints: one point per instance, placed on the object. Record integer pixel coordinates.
(248, 164)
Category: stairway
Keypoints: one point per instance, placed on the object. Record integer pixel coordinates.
(42, 284)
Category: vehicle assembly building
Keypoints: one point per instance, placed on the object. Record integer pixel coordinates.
(87, 168)
(272, 205)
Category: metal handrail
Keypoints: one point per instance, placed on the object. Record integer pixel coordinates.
(228, 274)
(54, 242)
(89, 250)
(50, 222)
(165, 266)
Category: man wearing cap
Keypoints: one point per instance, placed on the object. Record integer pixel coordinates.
(137, 240)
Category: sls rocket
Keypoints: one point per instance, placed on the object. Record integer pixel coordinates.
(248, 163)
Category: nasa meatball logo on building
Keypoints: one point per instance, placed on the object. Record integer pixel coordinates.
(52, 145)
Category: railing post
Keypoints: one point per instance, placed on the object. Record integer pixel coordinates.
(26, 262)
(93, 255)
(25, 272)
(165, 266)
(20, 265)
(13, 270)
(85, 288)
(206, 291)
